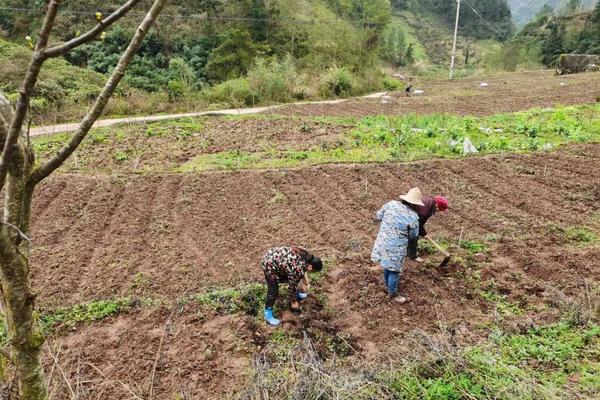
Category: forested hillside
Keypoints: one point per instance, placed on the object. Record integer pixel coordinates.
(216, 40)
(480, 19)
(552, 35)
(222, 53)
(524, 11)
(231, 52)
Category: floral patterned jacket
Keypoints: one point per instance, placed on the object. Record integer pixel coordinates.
(399, 226)
(285, 264)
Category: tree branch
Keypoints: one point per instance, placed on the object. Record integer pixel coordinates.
(92, 33)
(46, 169)
(26, 91)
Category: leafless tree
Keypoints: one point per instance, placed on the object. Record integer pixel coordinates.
(19, 176)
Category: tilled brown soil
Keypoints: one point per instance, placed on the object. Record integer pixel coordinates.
(174, 235)
(505, 93)
(159, 147)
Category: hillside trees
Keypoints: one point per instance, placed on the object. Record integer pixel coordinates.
(589, 39)
(556, 35)
(19, 175)
(222, 40)
(492, 20)
(393, 45)
(554, 45)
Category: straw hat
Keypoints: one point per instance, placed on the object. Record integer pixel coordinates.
(413, 196)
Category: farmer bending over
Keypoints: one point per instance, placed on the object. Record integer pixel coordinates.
(399, 229)
(287, 265)
(430, 207)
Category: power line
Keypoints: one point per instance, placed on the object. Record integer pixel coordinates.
(502, 35)
(202, 17)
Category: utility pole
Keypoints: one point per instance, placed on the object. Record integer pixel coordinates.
(455, 37)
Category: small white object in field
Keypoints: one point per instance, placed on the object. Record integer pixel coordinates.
(453, 142)
(399, 76)
(484, 84)
(468, 147)
(547, 146)
(498, 130)
(417, 130)
(418, 91)
(563, 84)
(485, 130)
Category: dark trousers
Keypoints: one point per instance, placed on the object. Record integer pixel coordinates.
(272, 291)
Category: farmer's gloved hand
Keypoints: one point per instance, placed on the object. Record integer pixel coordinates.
(301, 296)
(295, 307)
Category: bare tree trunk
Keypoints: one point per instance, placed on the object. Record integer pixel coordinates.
(18, 180)
(17, 299)
(26, 340)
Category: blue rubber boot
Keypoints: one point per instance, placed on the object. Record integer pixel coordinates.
(301, 296)
(271, 320)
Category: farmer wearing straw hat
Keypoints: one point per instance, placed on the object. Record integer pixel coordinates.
(398, 231)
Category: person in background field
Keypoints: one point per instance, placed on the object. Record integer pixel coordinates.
(287, 265)
(426, 211)
(398, 231)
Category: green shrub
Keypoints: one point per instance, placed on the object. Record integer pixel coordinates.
(236, 92)
(339, 81)
(392, 84)
(273, 81)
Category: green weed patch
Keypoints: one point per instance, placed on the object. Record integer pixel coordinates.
(82, 313)
(411, 137)
(541, 364)
(248, 299)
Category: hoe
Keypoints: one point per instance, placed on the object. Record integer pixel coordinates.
(445, 253)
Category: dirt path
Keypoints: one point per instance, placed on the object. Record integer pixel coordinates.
(504, 93)
(62, 128)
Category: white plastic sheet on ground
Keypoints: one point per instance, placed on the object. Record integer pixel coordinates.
(468, 147)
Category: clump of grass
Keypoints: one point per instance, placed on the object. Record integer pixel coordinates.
(534, 365)
(82, 313)
(248, 299)
(181, 129)
(474, 246)
(121, 156)
(580, 236)
(501, 303)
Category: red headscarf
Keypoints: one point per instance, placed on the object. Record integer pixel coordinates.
(441, 202)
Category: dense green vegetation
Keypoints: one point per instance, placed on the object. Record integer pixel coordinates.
(525, 10)
(492, 20)
(222, 54)
(550, 36)
(237, 52)
(538, 364)
(61, 87)
(371, 139)
(411, 137)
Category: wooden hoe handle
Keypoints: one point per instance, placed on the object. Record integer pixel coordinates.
(437, 246)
